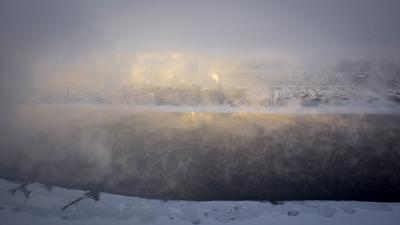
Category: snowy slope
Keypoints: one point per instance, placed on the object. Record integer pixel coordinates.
(40, 204)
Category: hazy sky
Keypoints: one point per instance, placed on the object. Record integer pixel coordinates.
(65, 31)
(302, 27)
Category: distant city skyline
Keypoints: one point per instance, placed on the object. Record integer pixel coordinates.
(47, 39)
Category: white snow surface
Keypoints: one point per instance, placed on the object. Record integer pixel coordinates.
(43, 206)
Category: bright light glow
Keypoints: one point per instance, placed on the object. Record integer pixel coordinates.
(193, 115)
(215, 77)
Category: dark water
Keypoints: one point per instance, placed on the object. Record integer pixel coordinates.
(210, 156)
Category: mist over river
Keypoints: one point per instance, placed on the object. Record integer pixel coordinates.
(198, 155)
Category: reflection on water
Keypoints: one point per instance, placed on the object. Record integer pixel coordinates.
(208, 156)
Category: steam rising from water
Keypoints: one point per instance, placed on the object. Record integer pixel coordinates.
(205, 156)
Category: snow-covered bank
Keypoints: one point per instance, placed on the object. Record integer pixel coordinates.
(39, 204)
